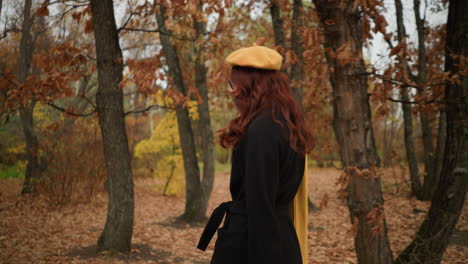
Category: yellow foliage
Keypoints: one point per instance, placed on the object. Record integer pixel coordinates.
(163, 153)
(45, 117)
(41, 115)
(159, 98)
(193, 110)
(17, 149)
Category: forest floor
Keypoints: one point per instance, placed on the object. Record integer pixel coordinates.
(32, 232)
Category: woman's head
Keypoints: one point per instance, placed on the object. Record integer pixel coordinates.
(255, 89)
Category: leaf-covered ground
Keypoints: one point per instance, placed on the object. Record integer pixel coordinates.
(31, 232)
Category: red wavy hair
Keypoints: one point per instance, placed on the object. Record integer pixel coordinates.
(255, 89)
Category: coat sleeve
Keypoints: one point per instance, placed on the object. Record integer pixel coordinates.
(261, 185)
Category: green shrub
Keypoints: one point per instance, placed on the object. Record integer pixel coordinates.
(16, 171)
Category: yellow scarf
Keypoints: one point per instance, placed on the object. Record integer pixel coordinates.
(299, 213)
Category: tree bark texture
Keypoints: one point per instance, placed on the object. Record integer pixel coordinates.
(429, 155)
(207, 139)
(297, 69)
(353, 128)
(117, 233)
(440, 148)
(389, 136)
(409, 145)
(416, 186)
(426, 127)
(386, 150)
(447, 202)
(33, 170)
(296, 72)
(277, 22)
(195, 203)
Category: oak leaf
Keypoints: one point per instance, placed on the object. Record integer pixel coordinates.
(43, 10)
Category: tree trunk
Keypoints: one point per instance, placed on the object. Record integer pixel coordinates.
(409, 145)
(277, 22)
(297, 69)
(195, 202)
(353, 129)
(447, 202)
(439, 156)
(393, 131)
(416, 187)
(429, 161)
(207, 141)
(386, 150)
(117, 233)
(33, 171)
(387, 143)
(426, 127)
(389, 138)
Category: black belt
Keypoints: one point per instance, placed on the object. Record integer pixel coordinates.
(217, 217)
(213, 224)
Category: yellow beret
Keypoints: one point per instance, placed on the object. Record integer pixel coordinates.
(257, 57)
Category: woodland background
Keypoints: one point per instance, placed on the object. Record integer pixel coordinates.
(109, 112)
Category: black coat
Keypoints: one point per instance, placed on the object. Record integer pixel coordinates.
(265, 175)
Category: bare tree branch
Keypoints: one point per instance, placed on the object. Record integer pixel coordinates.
(88, 100)
(61, 109)
(83, 93)
(69, 1)
(62, 15)
(77, 5)
(148, 108)
(10, 81)
(143, 30)
(128, 19)
(401, 82)
(433, 100)
(157, 30)
(8, 30)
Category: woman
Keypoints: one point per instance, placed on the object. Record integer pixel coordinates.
(269, 141)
